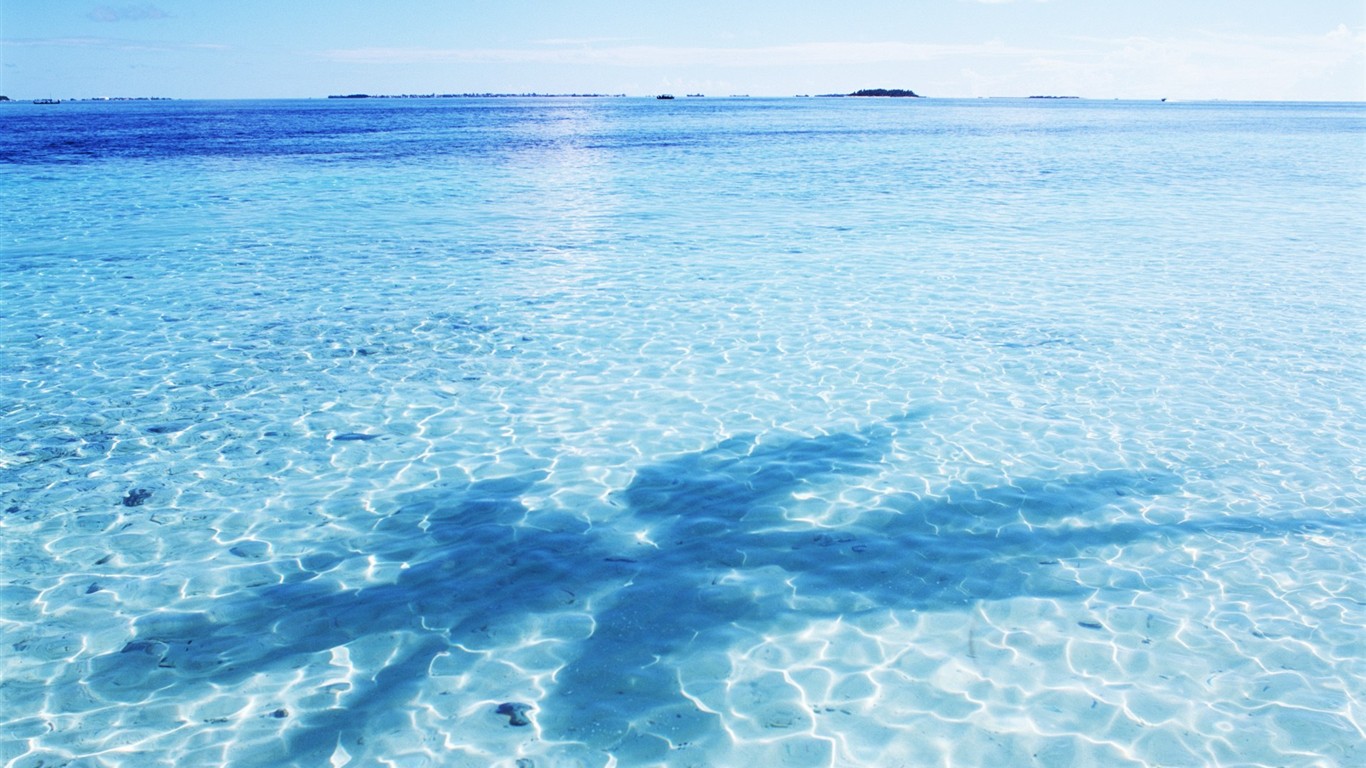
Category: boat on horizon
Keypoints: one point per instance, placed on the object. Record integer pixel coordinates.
(665, 96)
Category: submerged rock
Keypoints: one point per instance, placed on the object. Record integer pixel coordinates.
(170, 428)
(136, 497)
(515, 712)
(354, 436)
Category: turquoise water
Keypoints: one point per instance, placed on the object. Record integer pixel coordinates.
(799, 432)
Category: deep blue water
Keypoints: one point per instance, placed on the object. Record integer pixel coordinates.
(793, 432)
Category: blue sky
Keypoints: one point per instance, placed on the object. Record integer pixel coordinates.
(1179, 49)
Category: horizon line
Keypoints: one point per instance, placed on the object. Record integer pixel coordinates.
(433, 95)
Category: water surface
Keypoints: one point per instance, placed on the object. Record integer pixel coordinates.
(793, 432)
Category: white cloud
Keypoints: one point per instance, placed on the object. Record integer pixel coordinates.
(650, 55)
(1232, 66)
(1328, 66)
(1195, 66)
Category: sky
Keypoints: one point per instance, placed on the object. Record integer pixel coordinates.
(1294, 50)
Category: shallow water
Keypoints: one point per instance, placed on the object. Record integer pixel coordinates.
(793, 432)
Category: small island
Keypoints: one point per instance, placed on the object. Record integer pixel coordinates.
(892, 92)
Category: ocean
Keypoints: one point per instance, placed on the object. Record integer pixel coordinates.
(537, 432)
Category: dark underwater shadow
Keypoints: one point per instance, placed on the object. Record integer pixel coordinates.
(474, 562)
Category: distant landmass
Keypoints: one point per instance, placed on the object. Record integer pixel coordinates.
(477, 96)
(893, 92)
(884, 92)
(97, 98)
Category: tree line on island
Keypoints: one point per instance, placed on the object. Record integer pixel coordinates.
(891, 92)
(476, 95)
(894, 92)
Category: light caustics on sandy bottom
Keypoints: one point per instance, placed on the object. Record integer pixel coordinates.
(538, 456)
